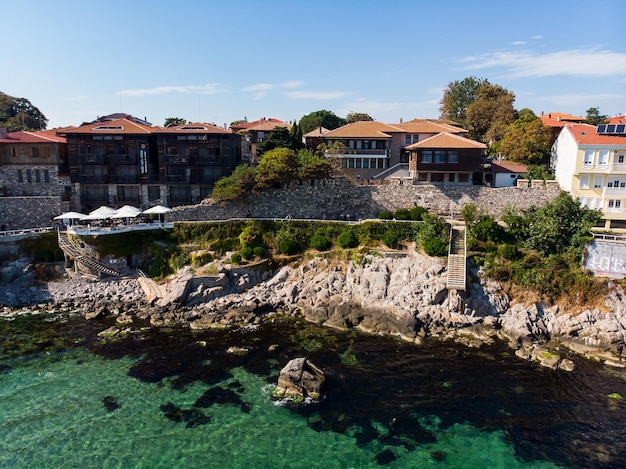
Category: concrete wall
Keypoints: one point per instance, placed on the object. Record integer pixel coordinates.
(331, 198)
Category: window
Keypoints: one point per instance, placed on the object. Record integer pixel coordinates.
(154, 192)
(35, 152)
(37, 176)
(603, 158)
(29, 176)
(20, 176)
(46, 175)
(584, 181)
(407, 140)
(45, 152)
(453, 156)
(13, 152)
(615, 203)
(588, 159)
(620, 158)
(598, 181)
(440, 156)
(427, 156)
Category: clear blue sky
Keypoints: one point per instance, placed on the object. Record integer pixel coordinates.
(218, 61)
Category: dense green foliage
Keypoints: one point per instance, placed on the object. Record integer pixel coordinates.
(327, 119)
(276, 167)
(539, 249)
(43, 248)
(20, 114)
(538, 172)
(527, 140)
(358, 116)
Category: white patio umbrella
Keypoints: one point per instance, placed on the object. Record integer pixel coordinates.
(101, 213)
(127, 211)
(157, 210)
(70, 216)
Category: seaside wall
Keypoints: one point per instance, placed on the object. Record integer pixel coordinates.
(18, 213)
(329, 199)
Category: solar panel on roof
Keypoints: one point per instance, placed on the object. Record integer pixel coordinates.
(601, 129)
(620, 129)
(610, 129)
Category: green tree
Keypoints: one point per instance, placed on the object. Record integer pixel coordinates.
(488, 116)
(275, 167)
(358, 116)
(279, 137)
(538, 172)
(312, 166)
(594, 117)
(173, 121)
(20, 114)
(457, 97)
(296, 137)
(527, 140)
(323, 118)
(237, 185)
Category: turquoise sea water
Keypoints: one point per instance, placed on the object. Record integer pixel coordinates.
(173, 398)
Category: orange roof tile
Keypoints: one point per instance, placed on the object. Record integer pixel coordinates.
(446, 140)
(508, 167)
(427, 126)
(43, 136)
(364, 129)
(248, 125)
(119, 126)
(585, 134)
(559, 119)
(617, 120)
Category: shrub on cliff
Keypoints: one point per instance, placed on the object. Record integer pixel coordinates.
(347, 239)
(402, 214)
(385, 215)
(320, 242)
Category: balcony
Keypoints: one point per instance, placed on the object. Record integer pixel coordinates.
(614, 191)
(618, 167)
(615, 210)
(359, 153)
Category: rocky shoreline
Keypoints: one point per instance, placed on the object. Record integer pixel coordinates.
(400, 294)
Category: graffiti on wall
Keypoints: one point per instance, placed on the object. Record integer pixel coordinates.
(606, 259)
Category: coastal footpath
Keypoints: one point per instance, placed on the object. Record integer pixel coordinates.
(395, 293)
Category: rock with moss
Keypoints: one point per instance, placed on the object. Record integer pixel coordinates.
(300, 379)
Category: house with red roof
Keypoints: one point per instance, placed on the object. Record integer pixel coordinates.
(33, 164)
(446, 159)
(253, 133)
(590, 163)
(557, 120)
(504, 173)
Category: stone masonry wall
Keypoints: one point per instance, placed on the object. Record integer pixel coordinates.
(30, 212)
(329, 199)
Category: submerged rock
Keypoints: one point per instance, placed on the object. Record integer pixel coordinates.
(300, 379)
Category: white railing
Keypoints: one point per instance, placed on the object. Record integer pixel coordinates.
(608, 191)
(393, 169)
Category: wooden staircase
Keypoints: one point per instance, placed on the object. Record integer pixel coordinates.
(74, 251)
(457, 272)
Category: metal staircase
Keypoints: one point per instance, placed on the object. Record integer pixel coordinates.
(457, 271)
(74, 251)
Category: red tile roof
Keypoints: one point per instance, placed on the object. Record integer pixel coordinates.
(43, 136)
(446, 140)
(617, 120)
(262, 121)
(559, 119)
(585, 134)
(507, 167)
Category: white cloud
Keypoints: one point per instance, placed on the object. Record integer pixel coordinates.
(259, 87)
(518, 43)
(292, 84)
(576, 62)
(319, 95)
(208, 88)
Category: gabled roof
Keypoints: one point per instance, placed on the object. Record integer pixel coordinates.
(260, 122)
(317, 132)
(43, 136)
(617, 120)
(115, 127)
(585, 134)
(116, 116)
(364, 129)
(429, 126)
(559, 119)
(193, 128)
(268, 126)
(508, 167)
(446, 140)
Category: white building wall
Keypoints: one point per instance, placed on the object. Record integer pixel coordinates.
(565, 152)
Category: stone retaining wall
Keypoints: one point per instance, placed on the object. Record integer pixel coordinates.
(18, 213)
(335, 197)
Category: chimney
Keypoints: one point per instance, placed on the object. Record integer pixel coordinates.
(3, 132)
(401, 120)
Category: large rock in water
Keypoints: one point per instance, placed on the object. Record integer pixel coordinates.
(300, 379)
